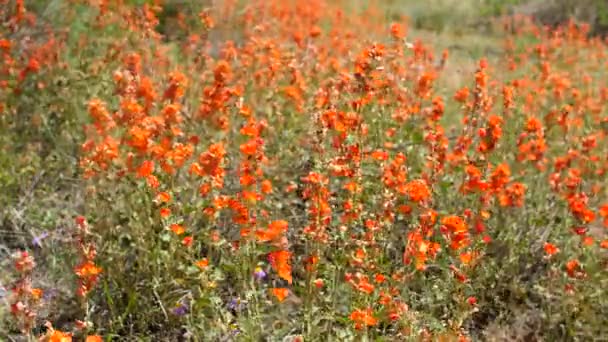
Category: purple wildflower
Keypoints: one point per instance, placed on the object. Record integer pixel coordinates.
(259, 273)
(49, 294)
(37, 240)
(234, 330)
(181, 309)
(236, 304)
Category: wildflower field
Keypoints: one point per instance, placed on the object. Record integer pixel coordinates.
(286, 170)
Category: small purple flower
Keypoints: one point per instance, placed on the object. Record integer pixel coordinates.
(259, 273)
(49, 294)
(181, 309)
(37, 240)
(236, 304)
(234, 330)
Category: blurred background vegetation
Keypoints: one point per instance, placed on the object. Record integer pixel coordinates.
(474, 15)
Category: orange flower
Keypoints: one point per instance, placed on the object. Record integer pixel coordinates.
(513, 195)
(279, 260)
(204, 189)
(87, 269)
(397, 31)
(249, 148)
(417, 190)
(36, 293)
(163, 197)
(177, 83)
(146, 169)
(165, 212)
(177, 229)
(203, 263)
(363, 318)
(500, 176)
(266, 186)
(315, 31)
(280, 293)
(139, 138)
(455, 224)
(251, 196)
(5, 44)
(187, 241)
(604, 214)
(222, 71)
(604, 210)
(462, 95)
(550, 249)
(404, 209)
(365, 286)
(588, 241)
(467, 258)
(207, 20)
(59, 336)
(93, 338)
(458, 227)
(428, 218)
(275, 230)
(209, 162)
(425, 84)
(572, 267)
(152, 181)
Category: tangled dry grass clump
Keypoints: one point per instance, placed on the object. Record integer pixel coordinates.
(297, 170)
